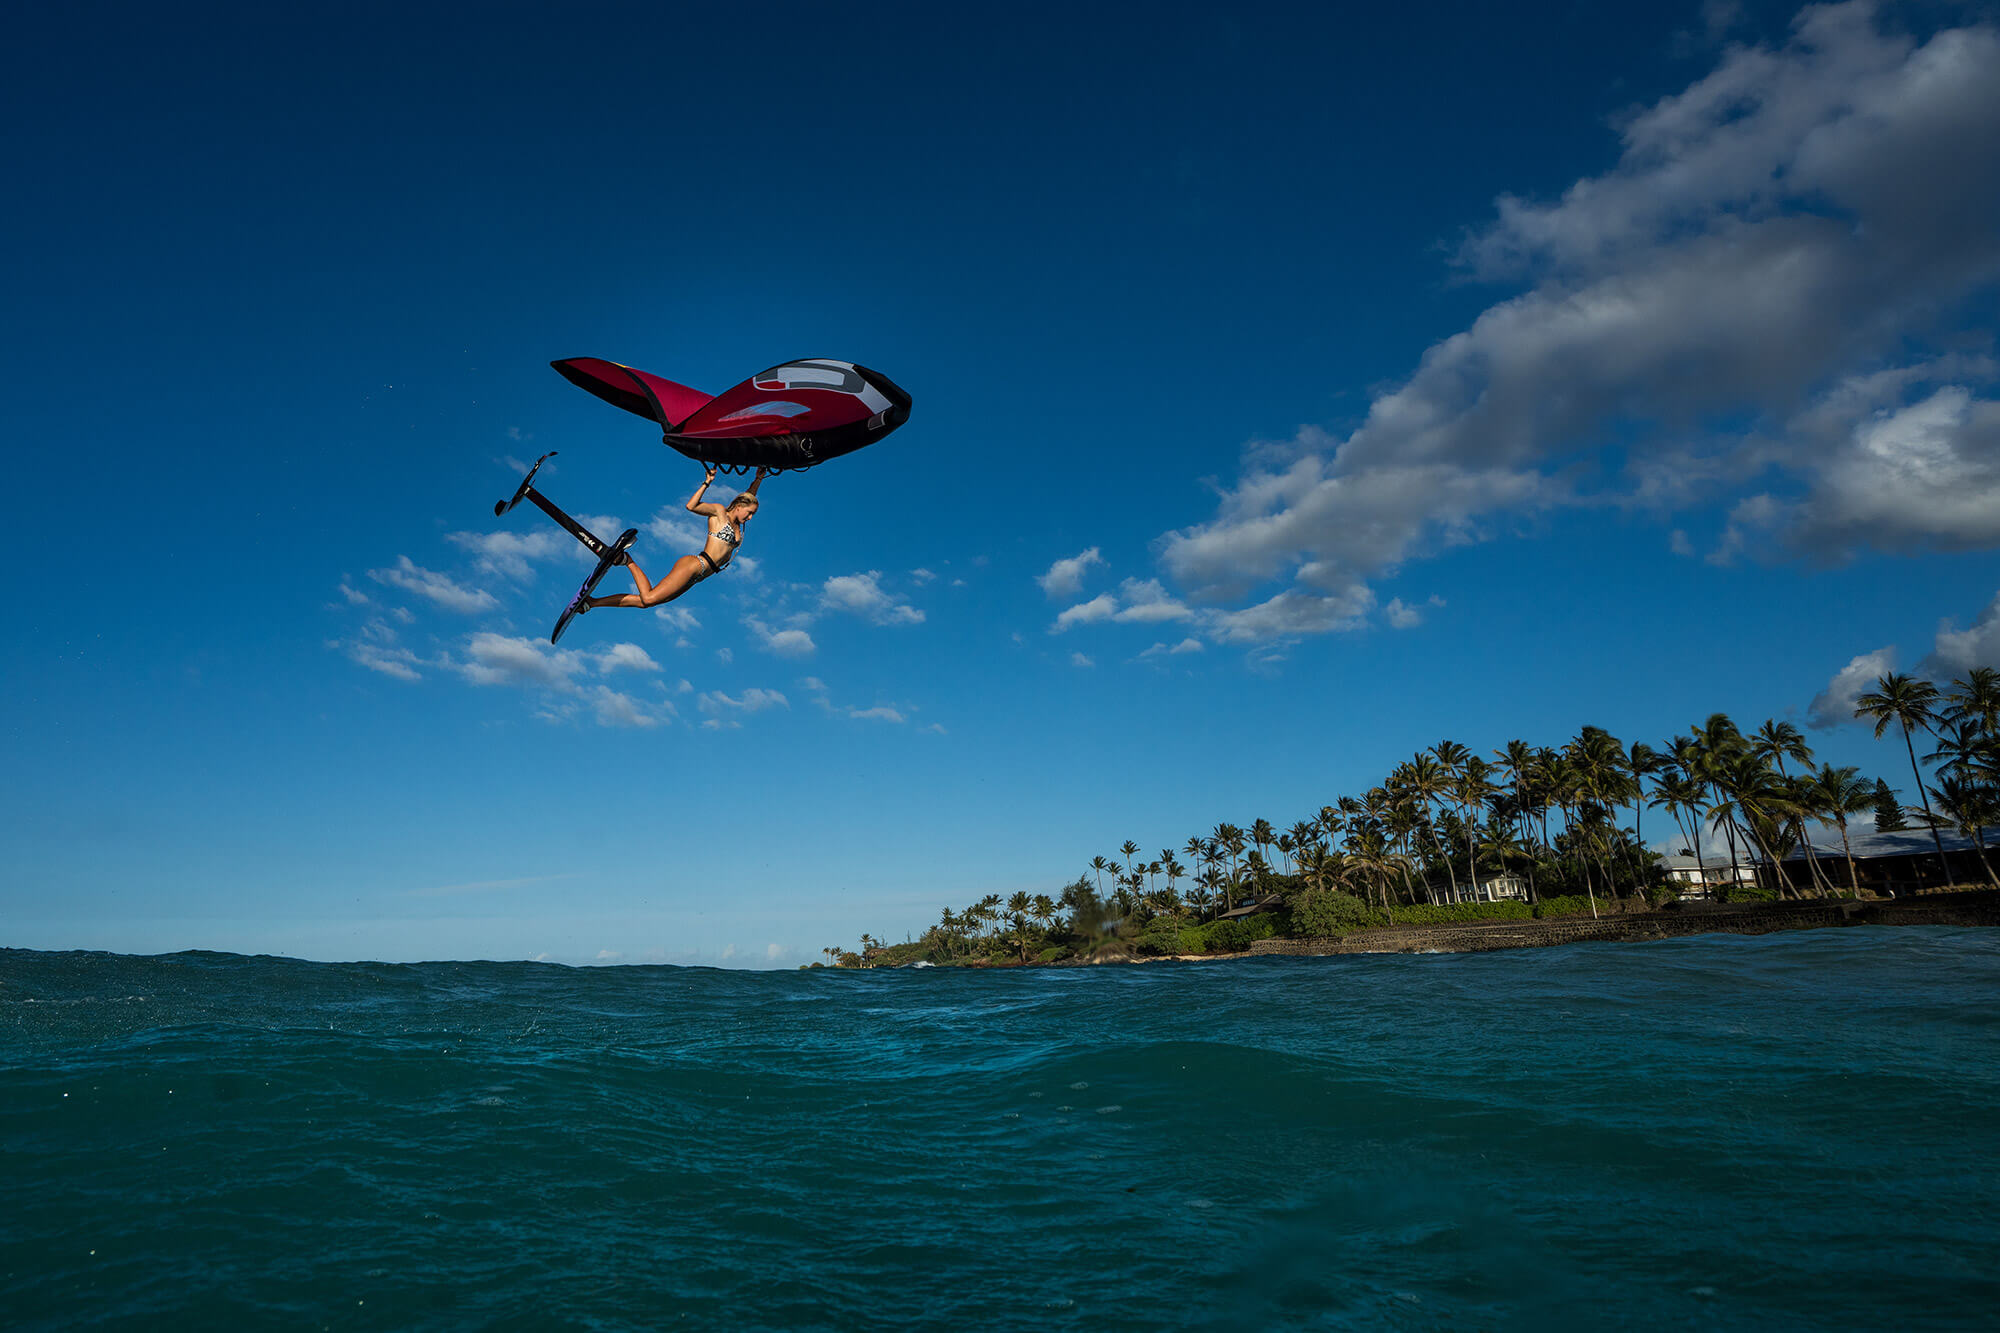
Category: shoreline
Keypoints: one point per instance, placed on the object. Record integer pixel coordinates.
(1979, 907)
(1976, 907)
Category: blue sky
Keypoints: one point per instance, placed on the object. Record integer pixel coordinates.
(1465, 373)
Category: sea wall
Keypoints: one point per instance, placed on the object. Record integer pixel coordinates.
(1955, 909)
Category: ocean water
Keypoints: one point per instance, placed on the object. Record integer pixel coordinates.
(1786, 1131)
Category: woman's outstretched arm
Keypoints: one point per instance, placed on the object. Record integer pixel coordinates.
(757, 481)
(695, 506)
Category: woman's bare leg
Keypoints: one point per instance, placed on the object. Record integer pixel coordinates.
(678, 580)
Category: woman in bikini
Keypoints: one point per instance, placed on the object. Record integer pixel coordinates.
(725, 534)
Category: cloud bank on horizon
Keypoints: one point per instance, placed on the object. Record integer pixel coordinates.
(1757, 316)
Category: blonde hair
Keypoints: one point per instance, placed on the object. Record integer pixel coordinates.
(740, 499)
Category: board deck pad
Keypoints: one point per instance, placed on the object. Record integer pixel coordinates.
(614, 554)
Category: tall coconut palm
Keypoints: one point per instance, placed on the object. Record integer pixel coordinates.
(1019, 905)
(1971, 807)
(1909, 703)
(1681, 797)
(1713, 747)
(1470, 787)
(1841, 792)
(1263, 835)
(1100, 865)
(1642, 761)
(1776, 742)
(1128, 851)
(1975, 699)
(1425, 779)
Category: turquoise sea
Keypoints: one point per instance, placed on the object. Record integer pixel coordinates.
(1787, 1131)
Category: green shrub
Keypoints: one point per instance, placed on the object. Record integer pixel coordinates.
(1238, 935)
(1163, 934)
(1459, 914)
(1748, 893)
(1570, 905)
(1323, 913)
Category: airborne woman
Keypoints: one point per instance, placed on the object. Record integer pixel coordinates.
(725, 534)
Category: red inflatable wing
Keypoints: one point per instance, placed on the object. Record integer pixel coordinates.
(636, 391)
(791, 416)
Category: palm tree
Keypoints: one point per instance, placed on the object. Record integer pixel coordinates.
(1681, 797)
(1128, 851)
(1841, 793)
(1018, 908)
(1262, 834)
(1470, 788)
(1975, 699)
(1424, 778)
(1100, 865)
(1778, 741)
(1909, 703)
(1970, 806)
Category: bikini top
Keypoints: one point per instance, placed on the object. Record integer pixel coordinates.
(728, 535)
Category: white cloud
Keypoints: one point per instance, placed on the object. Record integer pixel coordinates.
(816, 687)
(1065, 577)
(1957, 651)
(1402, 616)
(613, 709)
(354, 596)
(497, 659)
(1290, 615)
(863, 595)
(1101, 607)
(1834, 705)
(1078, 659)
(784, 642)
(1186, 646)
(1147, 603)
(922, 576)
(1779, 233)
(773, 952)
(625, 657)
(752, 700)
(439, 588)
(510, 554)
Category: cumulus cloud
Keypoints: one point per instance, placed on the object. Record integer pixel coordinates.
(613, 709)
(783, 642)
(439, 588)
(1078, 659)
(1065, 577)
(498, 659)
(375, 647)
(1401, 616)
(1771, 244)
(817, 688)
(1957, 651)
(1101, 607)
(512, 554)
(863, 595)
(625, 657)
(1163, 649)
(1834, 705)
(752, 700)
